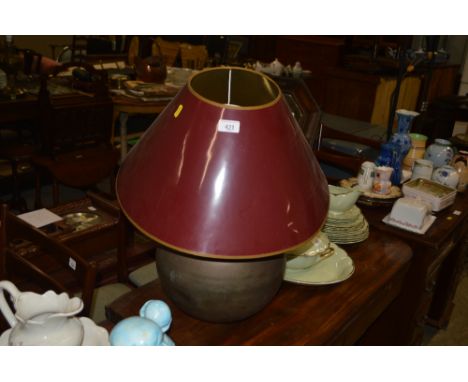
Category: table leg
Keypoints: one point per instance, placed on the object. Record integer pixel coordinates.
(123, 135)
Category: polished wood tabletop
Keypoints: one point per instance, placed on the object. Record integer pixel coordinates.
(336, 314)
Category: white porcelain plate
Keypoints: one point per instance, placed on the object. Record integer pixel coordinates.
(93, 335)
(332, 270)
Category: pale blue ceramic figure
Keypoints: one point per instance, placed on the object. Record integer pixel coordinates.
(157, 311)
(148, 329)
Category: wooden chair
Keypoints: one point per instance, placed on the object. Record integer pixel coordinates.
(43, 262)
(75, 134)
(193, 56)
(168, 49)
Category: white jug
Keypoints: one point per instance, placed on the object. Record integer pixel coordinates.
(41, 319)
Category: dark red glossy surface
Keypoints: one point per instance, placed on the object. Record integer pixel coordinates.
(198, 190)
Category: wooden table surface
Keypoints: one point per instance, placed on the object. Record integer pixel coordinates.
(299, 315)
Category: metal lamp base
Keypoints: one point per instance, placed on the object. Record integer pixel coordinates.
(219, 290)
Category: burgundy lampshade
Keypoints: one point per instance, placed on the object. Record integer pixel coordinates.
(225, 171)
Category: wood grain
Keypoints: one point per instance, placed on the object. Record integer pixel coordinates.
(299, 314)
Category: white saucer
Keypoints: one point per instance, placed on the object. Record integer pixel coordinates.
(428, 222)
(93, 335)
(332, 270)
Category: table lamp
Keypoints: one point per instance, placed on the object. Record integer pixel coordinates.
(226, 182)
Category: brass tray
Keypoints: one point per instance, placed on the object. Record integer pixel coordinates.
(81, 220)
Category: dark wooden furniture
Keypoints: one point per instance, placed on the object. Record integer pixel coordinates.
(315, 53)
(18, 120)
(76, 134)
(352, 76)
(17, 254)
(111, 243)
(24, 108)
(432, 279)
(302, 105)
(299, 315)
(350, 94)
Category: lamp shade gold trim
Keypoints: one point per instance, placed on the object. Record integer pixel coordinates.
(222, 182)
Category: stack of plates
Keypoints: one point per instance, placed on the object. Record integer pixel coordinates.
(346, 228)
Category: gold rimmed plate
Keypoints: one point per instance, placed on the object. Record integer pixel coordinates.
(332, 270)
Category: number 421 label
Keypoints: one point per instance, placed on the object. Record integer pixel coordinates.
(228, 126)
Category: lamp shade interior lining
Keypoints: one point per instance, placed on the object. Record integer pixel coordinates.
(237, 87)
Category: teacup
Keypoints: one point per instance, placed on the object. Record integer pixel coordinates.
(318, 251)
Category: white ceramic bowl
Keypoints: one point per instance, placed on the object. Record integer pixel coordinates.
(342, 199)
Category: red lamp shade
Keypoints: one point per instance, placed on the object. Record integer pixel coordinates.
(225, 172)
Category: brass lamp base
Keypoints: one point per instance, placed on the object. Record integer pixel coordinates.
(219, 290)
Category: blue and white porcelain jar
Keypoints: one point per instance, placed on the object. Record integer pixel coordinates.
(446, 175)
(440, 152)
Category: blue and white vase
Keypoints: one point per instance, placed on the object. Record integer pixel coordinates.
(440, 153)
(402, 136)
(401, 141)
(385, 157)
